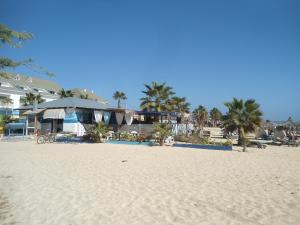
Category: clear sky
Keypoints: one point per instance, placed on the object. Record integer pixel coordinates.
(209, 51)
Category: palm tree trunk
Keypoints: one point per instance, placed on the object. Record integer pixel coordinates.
(242, 139)
(119, 103)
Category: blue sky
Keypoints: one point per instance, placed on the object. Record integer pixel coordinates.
(209, 51)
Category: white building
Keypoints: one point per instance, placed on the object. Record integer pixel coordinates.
(16, 86)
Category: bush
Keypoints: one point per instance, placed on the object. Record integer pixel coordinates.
(195, 139)
(127, 137)
(162, 131)
(97, 133)
(181, 138)
(228, 143)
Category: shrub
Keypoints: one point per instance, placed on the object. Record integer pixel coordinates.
(127, 137)
(97, 132)
(162, 131)
(228, 143)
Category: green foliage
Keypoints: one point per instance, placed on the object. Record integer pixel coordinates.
(215, 115)
(7, 62)
(5, 119)
(179, 105)
(31, 98)
(13, 38)
(201, 116)
(5, 100)
(119, 96)
(196, 139)
(243, 116)
(162, 131)
(157, 97)
(98, 132)
(127, 137)
(84, 96)
(181, 138)
(65, 93)
(228, 143)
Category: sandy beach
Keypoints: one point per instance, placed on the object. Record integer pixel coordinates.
(91, 184)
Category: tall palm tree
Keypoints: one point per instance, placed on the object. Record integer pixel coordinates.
(65, 93)
(215, 115)
(157, 97)
(30, 99)
(179, 105)
(201, 117)
(39, 99)
(243, 116)
(5, 101)
(119, 96)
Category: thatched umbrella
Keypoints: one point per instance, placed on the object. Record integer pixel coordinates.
(290, 124)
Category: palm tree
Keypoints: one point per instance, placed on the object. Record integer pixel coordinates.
(5, 101)
(201, 117)
(243, 116)
(98, 132)
(162, 131)
(65, 93)
(179, 105)
(39, 99)
(30, 99)
(157, 97)
(119, 96)
(84, 96)
(215, 115)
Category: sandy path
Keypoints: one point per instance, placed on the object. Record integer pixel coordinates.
(63, 184)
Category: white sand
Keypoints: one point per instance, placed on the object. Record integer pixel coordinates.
(63, 184)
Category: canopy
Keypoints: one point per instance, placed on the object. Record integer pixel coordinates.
(98, 116)
(54, 114)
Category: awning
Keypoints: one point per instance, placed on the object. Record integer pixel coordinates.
(29, 112)
(54, 114)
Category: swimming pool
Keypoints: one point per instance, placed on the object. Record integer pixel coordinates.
(146, 143)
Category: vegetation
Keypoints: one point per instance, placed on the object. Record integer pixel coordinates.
(201, 118)
(4, 119)
(161, 98)
(127, 137)
(5, 100)
(215, 116)
(31, 98)
(179, 105)
(242, 116)
(195, 139)
(157, 97)
(65, 93)
(162, 131)
(98, 132)
(119, 96)
(84, 96)
(15, 39)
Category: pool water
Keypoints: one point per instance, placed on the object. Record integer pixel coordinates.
(146, 143)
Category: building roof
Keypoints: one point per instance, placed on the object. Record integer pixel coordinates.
(90, 94)
(21, 84)
(70, 102)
